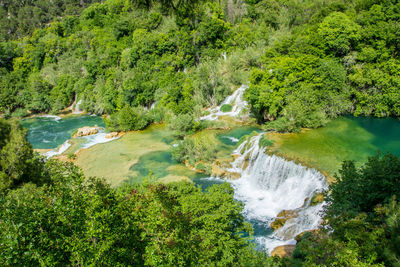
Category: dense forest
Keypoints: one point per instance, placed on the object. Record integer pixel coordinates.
(143, 61)
(20, 18)
(307, 61)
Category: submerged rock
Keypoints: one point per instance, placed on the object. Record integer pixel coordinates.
(283, 251)
(85, 131)
(282, 217)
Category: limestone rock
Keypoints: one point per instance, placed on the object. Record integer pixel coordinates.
(233, 175)
(112, 135)
(217, 171)
(85, 131)
(282, 217)
(317, 198)
(283, 251)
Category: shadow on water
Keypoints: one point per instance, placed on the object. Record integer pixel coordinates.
(385, 131)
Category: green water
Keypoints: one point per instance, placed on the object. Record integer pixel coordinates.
(161, 163)
(50, 132)
(345, 138)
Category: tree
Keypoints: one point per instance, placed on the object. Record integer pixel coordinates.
(18, 163)
(361, 190)
(338, 33)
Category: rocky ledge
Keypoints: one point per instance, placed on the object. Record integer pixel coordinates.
(85, 131)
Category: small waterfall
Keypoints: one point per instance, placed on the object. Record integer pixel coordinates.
(75, 107)
(58, 151)
(95, 139)
(235, 100)
(269, 185)
(224, 56)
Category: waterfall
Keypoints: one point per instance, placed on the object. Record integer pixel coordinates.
(75, 107)
(235, 100)
(58, 151)
(269, 185)
(224, 56)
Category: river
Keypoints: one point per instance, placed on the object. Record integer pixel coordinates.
(268, 184)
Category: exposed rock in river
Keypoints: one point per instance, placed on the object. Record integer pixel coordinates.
(85, 131)
(221, 166)
(283, 251)
(112, 135)
(282, 217)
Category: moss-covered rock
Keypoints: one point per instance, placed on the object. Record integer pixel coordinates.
(282, 217)
(283, 251)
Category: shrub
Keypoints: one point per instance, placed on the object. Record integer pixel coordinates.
(226, 108)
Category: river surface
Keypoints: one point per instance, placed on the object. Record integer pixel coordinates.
(267, 184)
(345, 138)
(49, 132)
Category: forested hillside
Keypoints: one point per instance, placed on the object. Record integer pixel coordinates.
(19, 18)
(144, 61)
(309, 60)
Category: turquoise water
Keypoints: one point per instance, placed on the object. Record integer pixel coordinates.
(159, 163)
(386, 133)
(51, 132)
(236, 133)
(345, 138)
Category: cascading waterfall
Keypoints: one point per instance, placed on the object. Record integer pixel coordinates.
(269, 185)
(235, 100)
(57, 151)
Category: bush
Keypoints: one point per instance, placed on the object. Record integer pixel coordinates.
(195, 149)
(181, 124)
(19, 113)
(127, 119)
(226, 108)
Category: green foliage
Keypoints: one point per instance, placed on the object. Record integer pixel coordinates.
(128, 119)
(196, 148)
(18, 163)
(362, 218)
(339, 60)
(14, 15)
(90, 223)
(226, 108)
(264, 142)
(338, 33)
(360, 190)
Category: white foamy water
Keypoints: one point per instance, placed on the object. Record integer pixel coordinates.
(57, 151)
(269, 185)
(233, 139)
(95, 139)
(54, 117)
(235, 100)
(77, 107)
